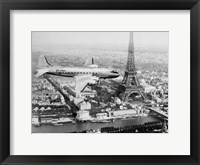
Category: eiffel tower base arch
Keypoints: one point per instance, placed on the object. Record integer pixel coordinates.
(124, 93)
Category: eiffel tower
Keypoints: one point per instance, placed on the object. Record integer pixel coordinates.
(130, 84)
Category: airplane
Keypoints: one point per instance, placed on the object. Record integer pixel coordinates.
(88, 69)
(89, 74)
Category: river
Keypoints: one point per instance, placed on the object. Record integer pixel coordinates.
(79, 126)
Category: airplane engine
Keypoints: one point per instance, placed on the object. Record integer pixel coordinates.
(92, 82)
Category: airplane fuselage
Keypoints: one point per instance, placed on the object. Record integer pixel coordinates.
(75, 71)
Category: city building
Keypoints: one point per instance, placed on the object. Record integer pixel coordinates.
(85, 105)
(83, 115)
(101, 115)
(121, 113)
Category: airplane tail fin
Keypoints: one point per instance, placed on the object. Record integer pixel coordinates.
(43, 63)
(44, 66)
(90, 63)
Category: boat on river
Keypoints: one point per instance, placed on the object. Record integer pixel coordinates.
(57, 124)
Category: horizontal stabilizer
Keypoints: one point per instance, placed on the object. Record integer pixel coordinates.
(41, 72)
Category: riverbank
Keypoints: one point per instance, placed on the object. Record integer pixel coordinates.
(149, 127)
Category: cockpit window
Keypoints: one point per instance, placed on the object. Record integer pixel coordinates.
(113, 71)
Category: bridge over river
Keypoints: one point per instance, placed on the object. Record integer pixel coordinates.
(157, 110)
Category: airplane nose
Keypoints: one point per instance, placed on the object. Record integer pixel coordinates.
(116, 75)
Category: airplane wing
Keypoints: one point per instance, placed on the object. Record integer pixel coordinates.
(83, 80)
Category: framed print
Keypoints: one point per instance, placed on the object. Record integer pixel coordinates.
(99, 82)
(101, 101)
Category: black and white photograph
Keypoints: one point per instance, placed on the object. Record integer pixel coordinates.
(99, 81)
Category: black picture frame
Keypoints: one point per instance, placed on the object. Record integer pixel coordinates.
(7, 5)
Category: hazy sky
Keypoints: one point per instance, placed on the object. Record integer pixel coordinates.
(148, 39)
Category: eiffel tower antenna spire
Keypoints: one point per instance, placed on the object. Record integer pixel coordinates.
(130, 66)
